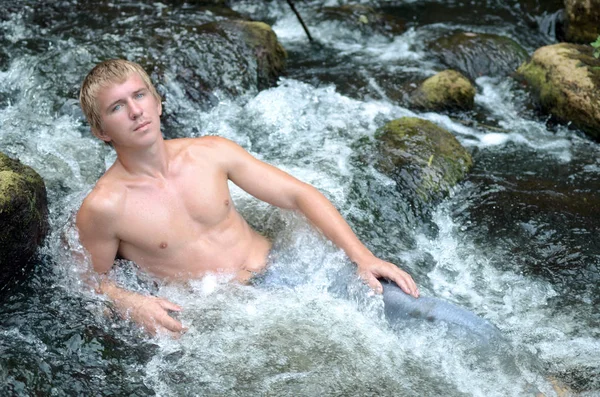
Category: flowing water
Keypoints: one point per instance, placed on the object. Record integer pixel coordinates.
(517, 242)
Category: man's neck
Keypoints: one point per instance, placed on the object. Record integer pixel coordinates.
(150, 161)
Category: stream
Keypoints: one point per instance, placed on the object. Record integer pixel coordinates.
(517, 242)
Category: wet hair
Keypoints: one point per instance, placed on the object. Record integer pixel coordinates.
(102, 75)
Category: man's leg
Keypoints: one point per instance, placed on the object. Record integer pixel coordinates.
(400, 306)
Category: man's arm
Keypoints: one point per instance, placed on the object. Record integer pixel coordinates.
(276, 187)
(96, 220)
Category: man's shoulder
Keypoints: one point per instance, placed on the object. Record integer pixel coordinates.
(105, 200)
(207, 142)
(205, 147)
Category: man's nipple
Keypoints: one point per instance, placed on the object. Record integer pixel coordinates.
(163, 245)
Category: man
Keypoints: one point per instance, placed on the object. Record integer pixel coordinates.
(166, 205)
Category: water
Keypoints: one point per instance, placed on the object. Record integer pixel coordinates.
(516, 243)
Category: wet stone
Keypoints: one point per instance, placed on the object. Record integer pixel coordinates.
(479, 54)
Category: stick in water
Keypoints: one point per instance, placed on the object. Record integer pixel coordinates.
(300, 19)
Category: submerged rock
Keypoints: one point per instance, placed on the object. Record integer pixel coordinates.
(479, 54)
(23, 216)
(421, 156)
(582, 20)
(366, 19)
(446, 90)
(565, 78)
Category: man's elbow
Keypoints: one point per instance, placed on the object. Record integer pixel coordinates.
(307, 195)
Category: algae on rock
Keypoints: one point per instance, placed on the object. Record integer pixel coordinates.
(582, 20)
(260, 40)
(565, 78)
(422, 156)
(23, 216)
(446, 90)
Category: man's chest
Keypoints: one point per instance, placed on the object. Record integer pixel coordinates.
(180, 209)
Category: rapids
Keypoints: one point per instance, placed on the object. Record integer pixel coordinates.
(517, 242)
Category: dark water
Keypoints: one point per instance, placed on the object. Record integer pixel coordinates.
(517, 242)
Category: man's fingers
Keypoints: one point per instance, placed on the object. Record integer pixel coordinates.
(406, 283)
(372, 282)
(170, 323)
(165, 304)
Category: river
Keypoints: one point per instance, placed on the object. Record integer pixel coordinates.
(517, 242)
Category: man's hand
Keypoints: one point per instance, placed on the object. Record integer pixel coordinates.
(149, 312)
(373, 268)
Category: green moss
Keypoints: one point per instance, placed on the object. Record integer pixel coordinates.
(565, 79)
(270, 53)
(260, 40)
(9, 181)
(446, 90)
(540, 83)
(428, 155)
(583, 21)
(23, 211)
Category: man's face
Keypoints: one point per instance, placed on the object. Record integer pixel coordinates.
(129, 113)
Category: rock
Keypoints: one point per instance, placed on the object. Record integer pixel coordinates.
(447, 90)
(216, 59)
(270, 55)
(421, 156)
(479, 54)
(235, 56)
(259, 39)
(582, 20)
(23, 216)
(366, 19)
(565, 78)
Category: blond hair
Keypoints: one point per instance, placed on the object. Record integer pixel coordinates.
(102, 75)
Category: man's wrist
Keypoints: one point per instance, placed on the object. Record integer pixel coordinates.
(363, 258)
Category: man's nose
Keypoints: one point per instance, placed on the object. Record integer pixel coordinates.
(135, 110)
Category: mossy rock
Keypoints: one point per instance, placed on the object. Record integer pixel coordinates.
(565, 78)
(229, 58)
(447, 90)
(422, 156)
(23, 216)
(260, 40)
(582, 20)
(479, 54)
(365, 18)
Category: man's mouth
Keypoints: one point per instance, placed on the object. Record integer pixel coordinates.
(145, 123)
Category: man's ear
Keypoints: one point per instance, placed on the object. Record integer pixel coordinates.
(100, 134)
(159, 107)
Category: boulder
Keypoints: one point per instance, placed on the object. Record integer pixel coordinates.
(259, 40)
(422, 157)
(479, 54)
(582, 20)
(447, 90)
(565, 79)
(228, 58)
(234, 56)
(23, 216)
(365, 19)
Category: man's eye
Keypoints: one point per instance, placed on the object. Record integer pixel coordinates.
(117, 107)
(140, 95)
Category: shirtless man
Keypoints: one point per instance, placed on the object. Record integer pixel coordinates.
(166, 206)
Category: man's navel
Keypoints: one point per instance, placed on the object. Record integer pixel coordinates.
(226, 202)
